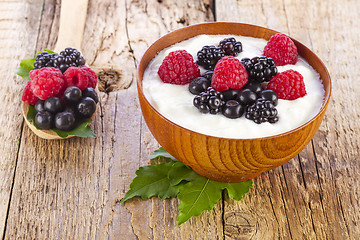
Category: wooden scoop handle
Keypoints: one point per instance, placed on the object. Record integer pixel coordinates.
(72, 23)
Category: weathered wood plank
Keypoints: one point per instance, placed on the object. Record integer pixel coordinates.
(71, 188)
(18, 34)
(314, 196)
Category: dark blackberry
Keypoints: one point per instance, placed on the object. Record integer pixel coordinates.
(208, 56)
(260, 69)
(230, 46)
(70, 57)
(209, 101)
(262, 111)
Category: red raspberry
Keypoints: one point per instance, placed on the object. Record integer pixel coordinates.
(92, 78)
(74, 76)
(282, 49)
(229, 73)
(288, 85)
(178, 68)
(46, 82)
(28, 95)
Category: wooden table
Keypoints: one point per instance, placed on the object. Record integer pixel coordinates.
(70, 189)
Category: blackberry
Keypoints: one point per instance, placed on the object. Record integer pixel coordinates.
(262, 111)
(209, 101)
(230, 46)
(208, 56)
(260, 69)
(70, 57)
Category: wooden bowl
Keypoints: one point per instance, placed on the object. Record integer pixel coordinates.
(225, 159)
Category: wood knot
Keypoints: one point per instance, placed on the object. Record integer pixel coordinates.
(182, 20)
(239, 225)
(109, 80)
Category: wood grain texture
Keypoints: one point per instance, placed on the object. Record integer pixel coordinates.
(315, 195)
(71, 189)
(18, 34)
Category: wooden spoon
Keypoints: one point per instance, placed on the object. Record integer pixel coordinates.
(72, 23)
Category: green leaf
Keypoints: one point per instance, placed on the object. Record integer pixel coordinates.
(160, 156)
(197, 196)
(174, 179)
(161, 152)
(83, 130)
(46, 50)
(152, 181)
(25, 67)
(236, 191)
(30, 116)
(180, 172)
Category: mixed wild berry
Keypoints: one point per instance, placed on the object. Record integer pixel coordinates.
(61, 89)
(235, 88)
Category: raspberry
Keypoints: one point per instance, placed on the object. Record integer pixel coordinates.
(28, 95)
(229, 73)
(46, 82)
(178, 68)
(74, 76)
(92, 78)
(282, 49)
(288, 85)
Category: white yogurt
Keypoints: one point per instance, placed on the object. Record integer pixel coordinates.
(175, 102)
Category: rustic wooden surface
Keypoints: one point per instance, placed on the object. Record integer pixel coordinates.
(70, 189)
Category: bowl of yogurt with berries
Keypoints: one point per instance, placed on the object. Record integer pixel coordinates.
(232, 100)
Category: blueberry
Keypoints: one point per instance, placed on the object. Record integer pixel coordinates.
(232, 109)
(230, 94)
(39, 106)
(86, 107)
(247, 97)
(53, 105)
(270, 95)
(72, 94)
(255, 87)
(65, 121)
(44, 120)
(198, 85)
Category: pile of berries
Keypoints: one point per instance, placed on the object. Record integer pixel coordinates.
(208, 56)
(250, 87)
(70, 57)
(233, 103)
(62, 100)
(65, 115)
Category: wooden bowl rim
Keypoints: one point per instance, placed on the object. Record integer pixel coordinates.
(235, 24)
